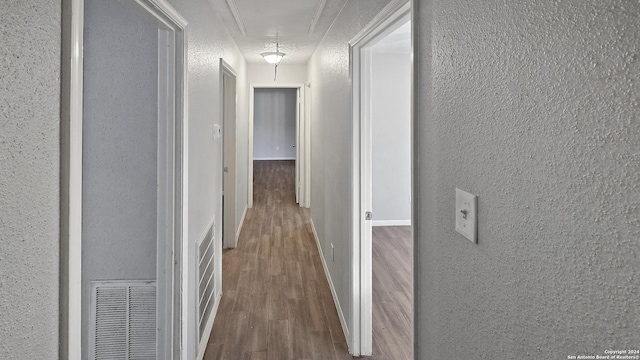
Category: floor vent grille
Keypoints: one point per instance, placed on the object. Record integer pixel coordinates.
(123, 321)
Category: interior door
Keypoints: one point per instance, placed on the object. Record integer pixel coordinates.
(123, 163)
(229, 160)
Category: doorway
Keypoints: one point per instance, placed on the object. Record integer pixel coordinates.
(381, 74)
(291, 144)
(122, 176)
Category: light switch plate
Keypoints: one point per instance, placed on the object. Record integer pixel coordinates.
(467, 215)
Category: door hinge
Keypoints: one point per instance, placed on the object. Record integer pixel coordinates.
(368, 215)
(226, 169)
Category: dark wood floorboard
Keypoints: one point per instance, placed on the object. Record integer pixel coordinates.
(276, 301)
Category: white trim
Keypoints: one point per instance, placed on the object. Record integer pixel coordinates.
(298, 129)
(306, 152)
(383, 16)
(274, 158)
(183, 338)
(236, 16)
(316, 17)
(390, 18)
(391, 223)
(334, 295)
(250, 159)
(73, 306)
(244, 215)
(165, 207)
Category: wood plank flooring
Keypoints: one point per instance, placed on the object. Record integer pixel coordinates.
(276, 301)
(392, 293)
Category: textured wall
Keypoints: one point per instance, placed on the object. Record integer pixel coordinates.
(330, 143)
(391, 135)
(533, 106)
(208, 42)
(274, 123)
(120, 132)
(29, 181)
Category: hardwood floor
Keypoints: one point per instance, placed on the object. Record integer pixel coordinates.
(392, 293)
(276, 301)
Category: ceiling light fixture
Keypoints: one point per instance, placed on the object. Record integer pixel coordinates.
(274, 58)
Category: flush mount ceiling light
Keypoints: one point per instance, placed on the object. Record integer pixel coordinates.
(274, 58)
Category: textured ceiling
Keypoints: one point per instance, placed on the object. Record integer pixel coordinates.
(300, 25)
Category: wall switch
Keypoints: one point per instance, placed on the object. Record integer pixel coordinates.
(277, 148)
(467, 215)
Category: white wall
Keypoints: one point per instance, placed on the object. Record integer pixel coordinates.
(29, 178)
(120, 135)
(274, 124)
(532, 106)
(330, 144)
(391, 136)
(287, 74)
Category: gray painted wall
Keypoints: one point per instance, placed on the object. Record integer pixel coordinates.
(532, 106)
(29, 181)
(274, 124)
(391, 135)
(331, 143)
(120, 130)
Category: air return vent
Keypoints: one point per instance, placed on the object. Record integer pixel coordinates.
(123, 320)
(206, 279)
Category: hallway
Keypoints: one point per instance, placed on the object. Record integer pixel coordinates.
(276, 301)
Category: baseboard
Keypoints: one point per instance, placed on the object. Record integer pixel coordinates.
(391, 223)
(244, 214)
(343, 322)
(274, 158)
(202, 347)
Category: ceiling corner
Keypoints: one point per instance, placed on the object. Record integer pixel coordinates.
(316, 17)
(236, 16)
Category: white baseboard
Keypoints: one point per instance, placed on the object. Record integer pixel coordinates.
(343, 322)
(391, 223)
(274, 158)
(244, 214)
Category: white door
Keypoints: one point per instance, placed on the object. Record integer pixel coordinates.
(229, 162)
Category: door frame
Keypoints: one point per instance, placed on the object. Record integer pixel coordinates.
(390, 18)
(303, 147)
(70, 330)
(226, 69)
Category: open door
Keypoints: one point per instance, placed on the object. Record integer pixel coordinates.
(229, 198)
(124, 154)
(390, 19)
